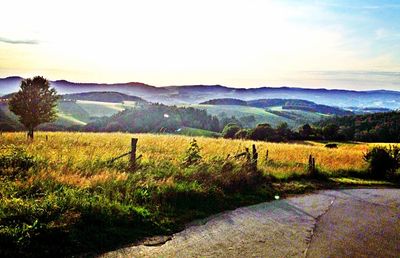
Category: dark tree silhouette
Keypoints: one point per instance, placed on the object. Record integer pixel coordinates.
(330, 131)
(262, 132)
(230, 130)
(306, 131)
(34, 103)
(283, 132)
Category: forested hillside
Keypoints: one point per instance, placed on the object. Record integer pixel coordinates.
(378, 127)
(226, 101)
(156, 118)
(7, 123)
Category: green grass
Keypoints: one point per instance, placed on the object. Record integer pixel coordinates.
(73, 112)
(295, 119)
(114, 209)
(62, 196)
(81, 112)
(99, 109)
(197, 132)
(67, 119)
(302, 116)
(361, 182)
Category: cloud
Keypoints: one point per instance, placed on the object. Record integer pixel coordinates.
(358, 79)
(361, 73)
(14, 41)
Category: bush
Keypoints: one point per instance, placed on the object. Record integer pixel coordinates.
(262, 132)
(383, 162)
(331, 145)
(242, 134)
(230, 130)
(192, 155)
(16, 162)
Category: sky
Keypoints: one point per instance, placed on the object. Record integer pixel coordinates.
(238, 43)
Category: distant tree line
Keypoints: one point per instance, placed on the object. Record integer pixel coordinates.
(247, 121)
(262, 132)
(379, 127)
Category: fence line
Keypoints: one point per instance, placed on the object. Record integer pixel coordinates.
(132, 154)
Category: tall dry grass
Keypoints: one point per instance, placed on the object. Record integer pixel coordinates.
(82, 156)
(71, 193)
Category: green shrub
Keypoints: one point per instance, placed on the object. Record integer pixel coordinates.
(227, 175)
(16, 162)
(262, 132)
(383, 162)
(230, 130)
(242, 134)
(192, 155)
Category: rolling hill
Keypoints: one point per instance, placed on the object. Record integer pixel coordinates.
(294, 112)
(157, 118)
(76, 109)
(194, 94)
(272, 116)
(85, 103)
(103, 96)
(80, 109)
(8, 120)
(292, 104)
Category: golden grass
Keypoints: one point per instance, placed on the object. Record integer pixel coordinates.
(70, 154)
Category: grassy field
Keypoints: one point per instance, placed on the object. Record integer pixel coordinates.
(299, 117)
(284, 158)
(293, 118)
(81, 111)
(65, 188)
(195, 132)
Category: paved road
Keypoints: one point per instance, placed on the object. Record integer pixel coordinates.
(334, 223)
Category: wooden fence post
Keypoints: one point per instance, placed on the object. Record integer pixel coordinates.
(311, 165)
(254, 157)
(133, 152)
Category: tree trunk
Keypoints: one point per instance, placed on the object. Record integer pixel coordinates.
(30, 134)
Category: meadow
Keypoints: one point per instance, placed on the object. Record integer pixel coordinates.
(272, 115)
(63, 185)
(72, 152)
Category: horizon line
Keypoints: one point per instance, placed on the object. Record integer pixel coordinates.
(210, 85)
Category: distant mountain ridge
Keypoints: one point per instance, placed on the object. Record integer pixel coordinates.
(192, 94)
(102, 96)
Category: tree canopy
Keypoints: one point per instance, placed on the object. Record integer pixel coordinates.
(34, 103)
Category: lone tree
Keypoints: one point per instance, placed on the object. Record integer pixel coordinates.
(34, 103)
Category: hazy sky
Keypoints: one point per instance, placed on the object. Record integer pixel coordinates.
(246, 43)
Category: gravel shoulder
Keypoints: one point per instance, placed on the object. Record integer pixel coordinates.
(333, 223)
